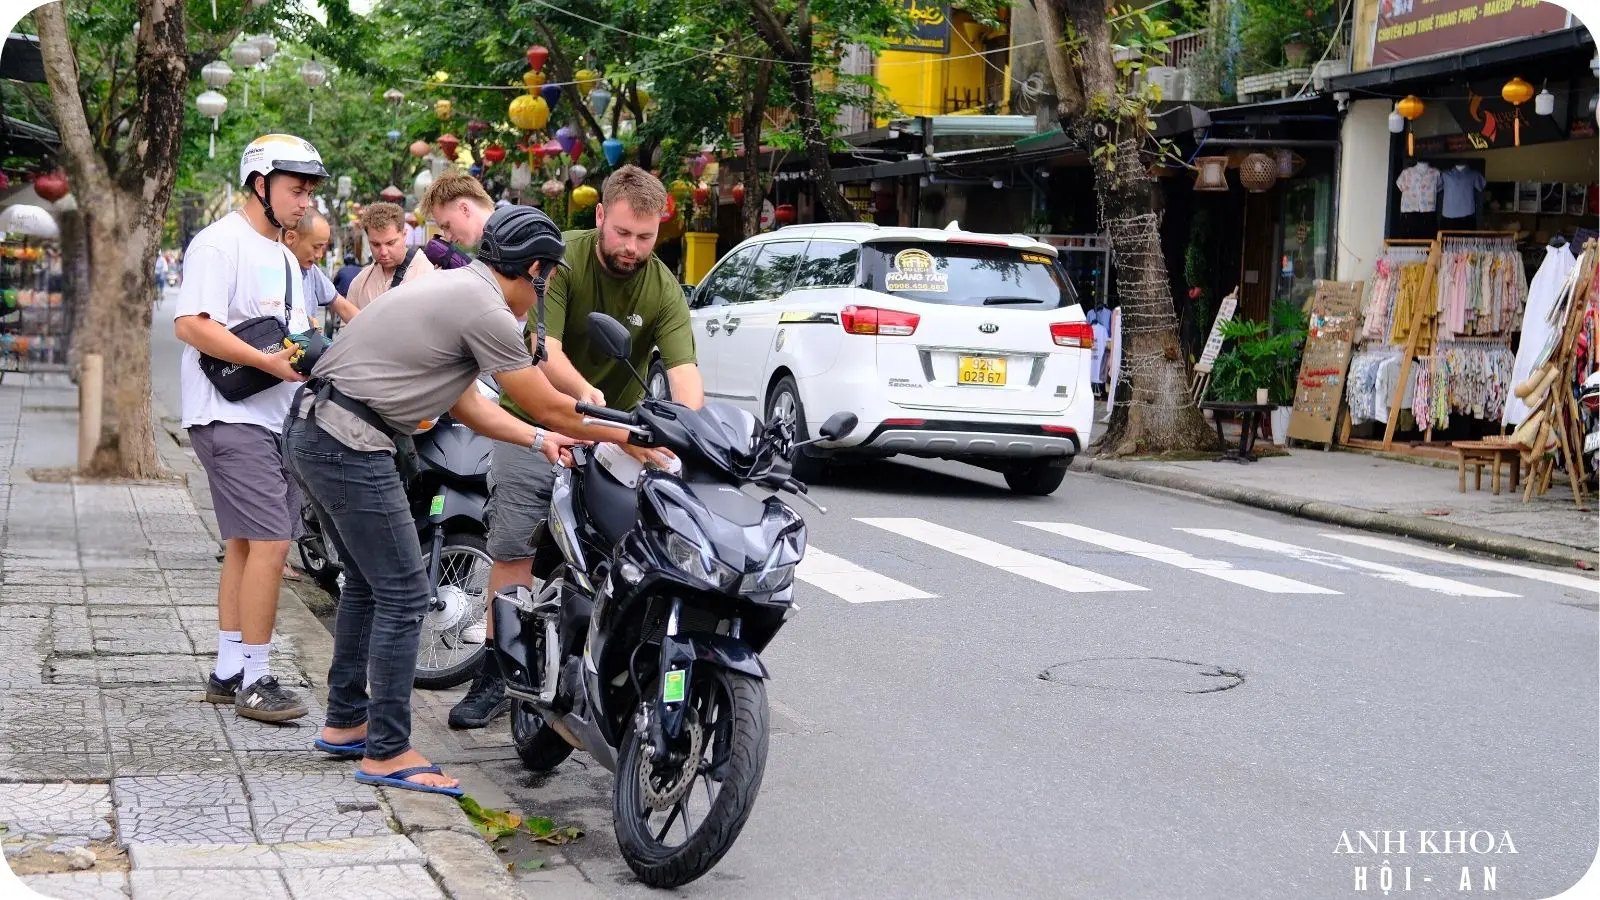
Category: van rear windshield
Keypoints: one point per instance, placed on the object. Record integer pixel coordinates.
(966, 275)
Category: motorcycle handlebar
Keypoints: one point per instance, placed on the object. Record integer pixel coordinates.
(601, 412)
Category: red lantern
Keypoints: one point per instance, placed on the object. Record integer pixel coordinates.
(493, 154)
(5, 181)
(537, 56)
(702, 195)
(392, 194)
(476, 129)
(535, 155)
(52, 186)
(738, 193)
(786, 214)
(577, 150)
(448, 143)
(671, 210)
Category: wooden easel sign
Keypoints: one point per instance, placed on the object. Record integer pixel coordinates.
(1208, 356)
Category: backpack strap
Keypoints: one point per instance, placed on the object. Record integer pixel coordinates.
(288, 295)
(400, 273)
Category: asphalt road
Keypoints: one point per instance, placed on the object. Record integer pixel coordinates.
(1233, 698)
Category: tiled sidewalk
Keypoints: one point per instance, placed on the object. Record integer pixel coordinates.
(107, 628)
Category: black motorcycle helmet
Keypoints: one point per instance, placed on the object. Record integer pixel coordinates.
(515, 237)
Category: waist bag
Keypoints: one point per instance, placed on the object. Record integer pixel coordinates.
(235, 381)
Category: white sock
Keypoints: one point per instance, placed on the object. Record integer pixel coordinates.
(230, 656)
(256, 658)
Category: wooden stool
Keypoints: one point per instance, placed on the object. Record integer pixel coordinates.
(1478, 454)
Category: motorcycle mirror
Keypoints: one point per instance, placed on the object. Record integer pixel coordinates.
(612, 337)
(838, 425)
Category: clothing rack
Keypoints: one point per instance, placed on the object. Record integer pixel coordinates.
(1423, 333)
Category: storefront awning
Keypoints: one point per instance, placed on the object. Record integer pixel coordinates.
(884, 170)
(21, 59)
(19, 138)
(1405, 76)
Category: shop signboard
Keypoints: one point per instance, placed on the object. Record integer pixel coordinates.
(1413, 29)
(1487, 122)
(1331, 331)
(930, 28)
(1208, 356)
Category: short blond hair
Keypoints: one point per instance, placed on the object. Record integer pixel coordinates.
(642, 192)
(455, 185)
(378, 216)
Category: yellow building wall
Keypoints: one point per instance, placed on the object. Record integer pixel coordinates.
(919, 82)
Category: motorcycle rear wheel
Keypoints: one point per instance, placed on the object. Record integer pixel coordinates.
(538, 745)
(733, 707)
(463, 563)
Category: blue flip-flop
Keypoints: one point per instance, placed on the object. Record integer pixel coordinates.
(352, 750)
(397, 779)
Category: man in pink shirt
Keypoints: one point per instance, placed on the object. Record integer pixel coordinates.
(393, 263)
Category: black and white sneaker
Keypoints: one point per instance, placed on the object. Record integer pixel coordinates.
(223, 690)
(266, 701)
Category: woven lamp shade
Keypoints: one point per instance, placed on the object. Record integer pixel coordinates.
(1258, 172)
(1211, 173)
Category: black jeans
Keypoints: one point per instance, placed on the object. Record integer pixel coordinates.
(361, 502)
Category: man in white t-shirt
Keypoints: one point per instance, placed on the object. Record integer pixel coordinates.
(237, 269)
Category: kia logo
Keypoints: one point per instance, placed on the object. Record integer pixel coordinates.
(988, 328)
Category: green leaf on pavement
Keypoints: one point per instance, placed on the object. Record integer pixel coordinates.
(546, 830)
(493, 824)
(529, 864)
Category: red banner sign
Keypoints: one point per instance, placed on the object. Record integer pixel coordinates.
(1412, 29)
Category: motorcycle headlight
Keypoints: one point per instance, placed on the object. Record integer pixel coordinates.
(698, 560)
(767, 580)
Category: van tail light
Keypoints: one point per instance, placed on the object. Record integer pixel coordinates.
(872, 320)
(1072, 334)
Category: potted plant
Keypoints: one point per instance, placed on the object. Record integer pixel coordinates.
(1263, 356)
(1295, 50)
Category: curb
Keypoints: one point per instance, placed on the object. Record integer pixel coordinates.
(464, 866)
(1464, 536)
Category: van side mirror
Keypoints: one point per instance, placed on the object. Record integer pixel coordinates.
(610, 334)
(838, 425)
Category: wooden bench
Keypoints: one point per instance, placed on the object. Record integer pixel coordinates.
(1478, 454)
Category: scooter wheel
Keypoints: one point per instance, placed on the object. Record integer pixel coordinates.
(540, 747)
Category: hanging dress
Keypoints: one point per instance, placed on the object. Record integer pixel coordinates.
(1536, 327)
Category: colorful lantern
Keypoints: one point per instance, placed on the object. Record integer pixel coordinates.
(394, 97)
(537, 55)
(392, 194)
(738, 192)
(532, 80)
(535, 154)
(1258, 173)
(448, 144)
(475, 170)
(671, 209)
(1516, 92)
(702, 195)
(599, 100)
(566, 138)
(443, 109)
(552, 149)
(785, 214)
(393, 135)
(614, 150)
(1410, 108)
(420, 149)
(697, 165)
(476, 129)
(575, 152)
(529, 113)
(576, 174)
(551, 94)
(587, 79)
(493, 153)
(584, 197)
(551, 188)
(441, 77)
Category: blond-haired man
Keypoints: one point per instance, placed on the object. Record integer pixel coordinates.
(460, 206)
(612, 270)
(393, 263)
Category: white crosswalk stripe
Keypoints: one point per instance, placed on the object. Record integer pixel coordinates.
(848, 581)
(1042, 569)
(1565, 579)
(1214, 568)
(1385, 571)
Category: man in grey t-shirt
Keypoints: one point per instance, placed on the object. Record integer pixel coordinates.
(408, 357)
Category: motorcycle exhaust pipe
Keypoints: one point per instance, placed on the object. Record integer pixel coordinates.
(552, 718)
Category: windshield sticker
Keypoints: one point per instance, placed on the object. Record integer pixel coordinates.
(1035, 258)
(914, 271)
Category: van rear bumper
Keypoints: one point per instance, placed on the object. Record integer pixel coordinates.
(956, 439)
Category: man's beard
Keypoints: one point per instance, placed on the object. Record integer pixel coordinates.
(615, 265)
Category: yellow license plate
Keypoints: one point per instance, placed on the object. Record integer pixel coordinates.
(981, 370)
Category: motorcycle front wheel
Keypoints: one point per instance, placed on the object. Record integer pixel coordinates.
(676, 821)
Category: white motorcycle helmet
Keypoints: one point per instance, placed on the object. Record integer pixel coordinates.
(272, 153)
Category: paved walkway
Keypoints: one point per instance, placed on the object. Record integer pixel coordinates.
(116, 778)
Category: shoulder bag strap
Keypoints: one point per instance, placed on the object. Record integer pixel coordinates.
(400, 273)
(288, 296)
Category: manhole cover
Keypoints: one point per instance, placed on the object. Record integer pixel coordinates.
(1143, 674)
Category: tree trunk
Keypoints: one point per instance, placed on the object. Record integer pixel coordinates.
(1157, 415)
(830, 196)
(124, 219)
(754, 112)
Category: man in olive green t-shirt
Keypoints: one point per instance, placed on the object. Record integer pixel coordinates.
(612, 270)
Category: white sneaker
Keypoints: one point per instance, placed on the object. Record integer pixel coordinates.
(475, 634)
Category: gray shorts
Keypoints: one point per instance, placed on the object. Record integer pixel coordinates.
(254, 496)
(520, 481)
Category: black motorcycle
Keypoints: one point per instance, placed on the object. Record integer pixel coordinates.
(448, 493)
(641, 643)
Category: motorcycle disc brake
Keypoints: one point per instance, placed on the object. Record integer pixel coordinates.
(677, 786)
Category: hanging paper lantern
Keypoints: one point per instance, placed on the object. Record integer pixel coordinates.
(392, 194)
(599, 100)
(420, 149)
(551, 188)
(644, 97)
(681, 189)
(521, 176)
(576, 174)
(394, 97)
(613, 150)
(535, 154)
(1258, 172)
(529, 113)
(584, 197)
(532, 80)
(476, 129)
(1545, 103)
(738, 193)
(587, 79)
(216, 74)
(1397, 122)
(441, 77)
(313, 73)
(448, 144)
(537, 55)
(423, 181)
(1410, 108)
(785, 214)
(443, 109)
(5, 181)
(702, 195)
(697, 165)
(267, 45)
(212, 105)
(475, 170)
(246, 55)
(1289, 162)
(346, 185)
(671, 210)
(566, 138)
(1516, 92)
(551, 94)
(575, 152)
(493, 153)
(393, 135)
(552, 149)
